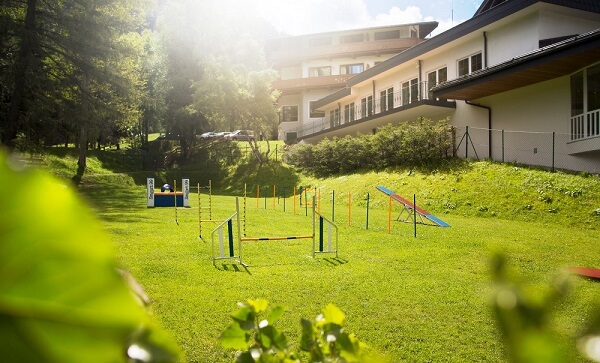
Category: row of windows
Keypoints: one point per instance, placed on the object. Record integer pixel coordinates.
(465, 66)
(409, 89)
(362, 37)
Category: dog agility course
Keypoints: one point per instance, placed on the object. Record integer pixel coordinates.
(225, 238)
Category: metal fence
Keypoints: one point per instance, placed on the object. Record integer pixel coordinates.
(544, 149)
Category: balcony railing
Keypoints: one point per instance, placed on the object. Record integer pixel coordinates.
(585, 126)
(363, 110)
(312, 82)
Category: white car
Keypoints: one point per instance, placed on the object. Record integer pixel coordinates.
(207, 135)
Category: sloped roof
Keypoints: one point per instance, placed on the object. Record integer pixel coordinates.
(556, 60)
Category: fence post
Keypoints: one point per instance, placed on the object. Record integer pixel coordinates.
(502, 145)
(467, 143)
(553, 148)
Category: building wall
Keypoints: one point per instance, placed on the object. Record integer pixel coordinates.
(536, 124)
(556, 24)
(514, 39)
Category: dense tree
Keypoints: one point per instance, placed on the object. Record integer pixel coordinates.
(74, 67)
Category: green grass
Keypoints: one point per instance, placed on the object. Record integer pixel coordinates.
(411, 299)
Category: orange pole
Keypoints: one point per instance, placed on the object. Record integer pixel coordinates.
(390, 216)
(257, 194)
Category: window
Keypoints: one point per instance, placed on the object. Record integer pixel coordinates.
(391, 34)
(354, 38)
(386, 99)
(577, 94)
(319, 71)
(352, 68)
(410, 91)
(593, 88)
(334, 117)
(585, 103)
(366, 106)
(290, 113)
(470, 64)
(436, 77)
(315, 113)
(349, 112)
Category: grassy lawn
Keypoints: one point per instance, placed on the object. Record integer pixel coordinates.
(410, 299)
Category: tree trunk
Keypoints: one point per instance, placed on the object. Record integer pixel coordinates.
(22, 66)
(85, 116)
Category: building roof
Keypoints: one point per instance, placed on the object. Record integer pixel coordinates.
(426, 27)
(556, 60)
(490, 12)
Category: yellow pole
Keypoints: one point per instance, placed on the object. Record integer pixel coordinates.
(199, 213)
(294, 200)
(390, 216)
(349, 203)
(274, 195)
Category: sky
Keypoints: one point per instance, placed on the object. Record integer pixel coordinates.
(297, 17)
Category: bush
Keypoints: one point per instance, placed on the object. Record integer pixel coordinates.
(417, 144)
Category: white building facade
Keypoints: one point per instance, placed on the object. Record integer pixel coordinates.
(520, 81)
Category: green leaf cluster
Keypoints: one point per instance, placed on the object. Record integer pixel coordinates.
(325, 339)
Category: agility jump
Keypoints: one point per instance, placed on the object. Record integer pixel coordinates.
(327, 237)
(168, 196)
(408, 207)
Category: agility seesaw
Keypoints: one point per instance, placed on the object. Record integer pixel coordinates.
(408, 206)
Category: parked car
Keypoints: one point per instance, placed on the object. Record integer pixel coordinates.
(240, 135)
(207, 135)
(222, 135)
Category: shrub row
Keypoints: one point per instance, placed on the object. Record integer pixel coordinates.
(410, 144)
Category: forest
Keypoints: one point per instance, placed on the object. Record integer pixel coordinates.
(96, 73)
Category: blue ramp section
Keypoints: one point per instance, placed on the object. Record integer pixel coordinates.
(408, 204)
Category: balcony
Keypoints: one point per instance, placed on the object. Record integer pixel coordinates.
(406, 105)
(293, 55)
(298, 84)
(585, 133)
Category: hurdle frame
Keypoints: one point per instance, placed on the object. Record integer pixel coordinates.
(322, 221)
(230, 239)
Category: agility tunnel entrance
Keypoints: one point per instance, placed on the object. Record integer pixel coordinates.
(224, 238)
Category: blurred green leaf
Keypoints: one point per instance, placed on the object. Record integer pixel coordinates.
(276, 314)
(271, 337)
(258, 305)
(61, 298)
(245, 317)
(234, 337)
(333, 315)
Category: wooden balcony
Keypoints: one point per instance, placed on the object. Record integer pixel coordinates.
(293, 55)
(297, 84)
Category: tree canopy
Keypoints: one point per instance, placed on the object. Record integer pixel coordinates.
(96, 71)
